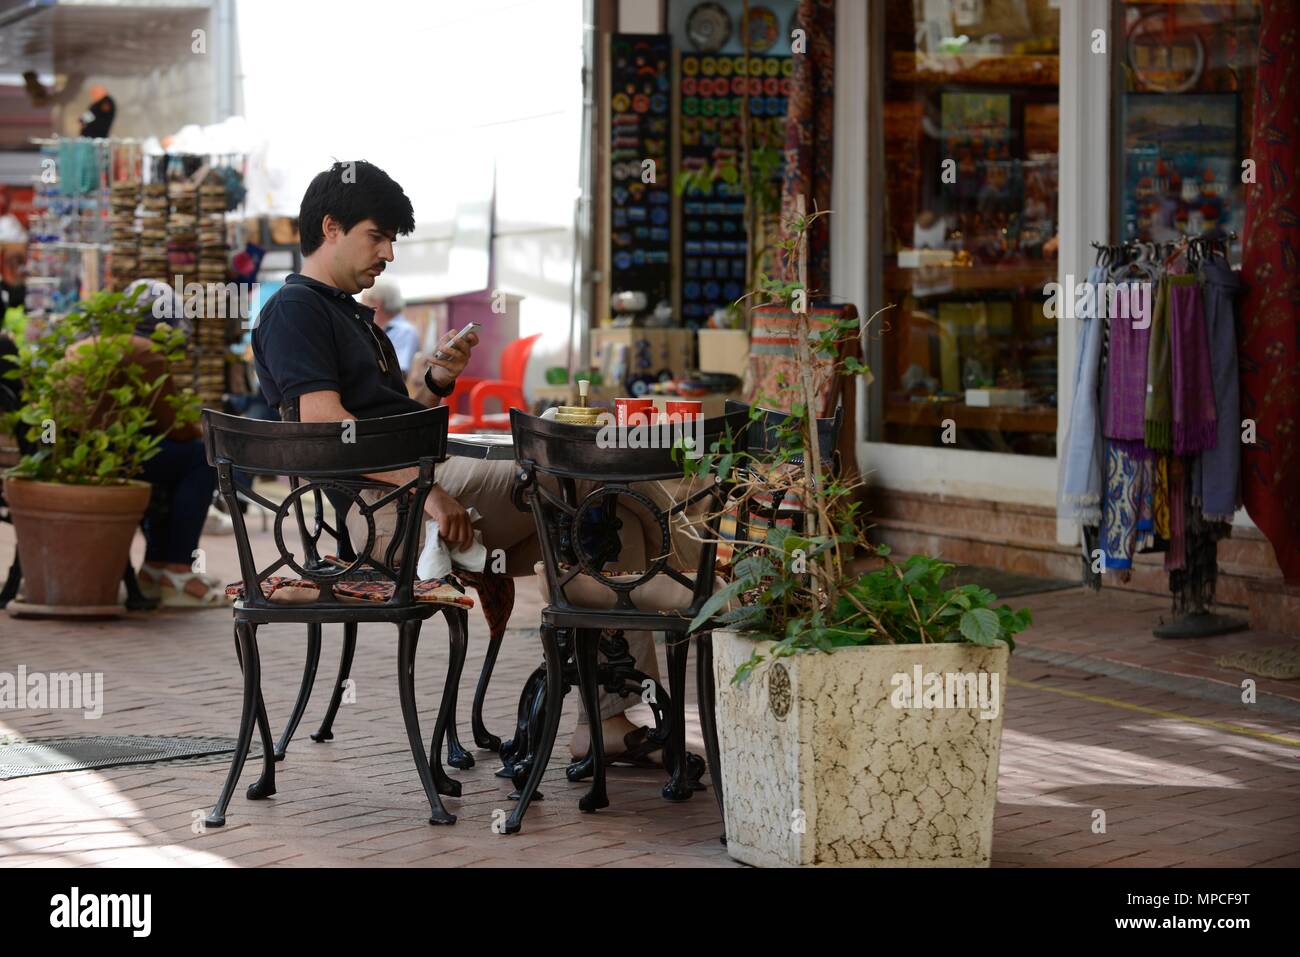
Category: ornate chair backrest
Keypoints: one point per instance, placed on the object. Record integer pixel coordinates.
(329, 458)
(578, 533)
(765, 437)
(764, 432)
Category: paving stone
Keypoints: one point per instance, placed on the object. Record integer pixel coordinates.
(1176, 792)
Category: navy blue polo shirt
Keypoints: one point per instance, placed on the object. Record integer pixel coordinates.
(311, 337)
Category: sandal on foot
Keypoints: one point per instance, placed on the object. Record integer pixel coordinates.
(640, 750)
(172, 593)
(638, 747)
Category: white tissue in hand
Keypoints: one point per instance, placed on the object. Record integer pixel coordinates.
(436, 559)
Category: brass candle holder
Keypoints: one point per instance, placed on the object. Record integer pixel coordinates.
(580, 414)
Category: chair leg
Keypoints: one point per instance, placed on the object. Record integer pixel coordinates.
(458, 635)
(585, 654)
(513, 750)
(326, 732)
(541, 756)
(247, 716)
(14, 579)
(707, 693)
(457, 626)
(482, 737)
(525, 751)
(678, 787)
(497, 594)
(304, 691)
(408, 639)
(264, 786)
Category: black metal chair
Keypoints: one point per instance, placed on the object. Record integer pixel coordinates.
(764, 439)
(320, 460)
(578, 535)
(764, 432)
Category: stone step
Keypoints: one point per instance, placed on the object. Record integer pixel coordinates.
(1247, 549)
(1045, 559)
(1275, 606)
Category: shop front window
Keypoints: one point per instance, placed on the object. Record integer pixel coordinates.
(1184, 114)
(971, 123)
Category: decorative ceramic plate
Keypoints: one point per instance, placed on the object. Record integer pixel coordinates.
(762, 28)
(708, 27)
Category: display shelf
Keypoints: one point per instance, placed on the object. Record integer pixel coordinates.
(943, 69)
(942, 280)
(1034, 418)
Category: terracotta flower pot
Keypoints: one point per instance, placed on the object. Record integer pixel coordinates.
(74, 540)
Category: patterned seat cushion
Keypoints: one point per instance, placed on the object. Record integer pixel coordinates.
(277, 588)
(435, 590)
(297, 591)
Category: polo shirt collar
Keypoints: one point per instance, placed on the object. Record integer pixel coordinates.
(331, 292)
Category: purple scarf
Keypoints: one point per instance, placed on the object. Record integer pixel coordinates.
(1127, 377)
(1195, 420)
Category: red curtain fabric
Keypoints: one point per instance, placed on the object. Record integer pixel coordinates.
(1270, 315)
(808, 136)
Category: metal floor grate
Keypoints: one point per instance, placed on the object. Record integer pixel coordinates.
(93, 752)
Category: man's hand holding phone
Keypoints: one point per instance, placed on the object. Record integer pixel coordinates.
(452, 354)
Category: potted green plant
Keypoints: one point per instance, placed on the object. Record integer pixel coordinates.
(859, 700)
(88, 405)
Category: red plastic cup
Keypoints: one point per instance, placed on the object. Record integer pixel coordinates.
(632, 412)
(683, 410)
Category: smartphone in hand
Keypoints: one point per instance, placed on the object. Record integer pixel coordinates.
(442, 354)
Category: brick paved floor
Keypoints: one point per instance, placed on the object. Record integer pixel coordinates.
(1181, 780)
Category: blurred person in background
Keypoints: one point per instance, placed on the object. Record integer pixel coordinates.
(386, 299)
(180, 469)
(13, 249)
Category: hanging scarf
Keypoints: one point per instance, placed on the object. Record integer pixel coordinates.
(1126, 373)
(1217, 475)
(1176, 557)
(1121, 508)
(1195, 425)
(1161, 498)
(1159, 410)
(809, 132)
(1080, 497)
(1270, 314)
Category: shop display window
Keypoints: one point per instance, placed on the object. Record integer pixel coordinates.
(1183, 106)
(971, 120)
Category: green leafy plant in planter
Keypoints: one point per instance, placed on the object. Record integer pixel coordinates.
(843, 729)
(810, 591)
(89, 411)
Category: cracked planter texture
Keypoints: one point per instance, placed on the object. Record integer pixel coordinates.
(819, 768)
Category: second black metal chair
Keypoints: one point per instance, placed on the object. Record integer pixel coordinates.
(578, 536)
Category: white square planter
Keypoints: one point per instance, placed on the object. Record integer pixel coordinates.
(821, 767)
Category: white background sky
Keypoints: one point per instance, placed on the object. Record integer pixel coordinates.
(422, 88)
(433, 91)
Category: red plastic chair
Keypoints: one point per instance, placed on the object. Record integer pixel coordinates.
(471, 394)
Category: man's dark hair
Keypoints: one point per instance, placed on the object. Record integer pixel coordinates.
(351, 192)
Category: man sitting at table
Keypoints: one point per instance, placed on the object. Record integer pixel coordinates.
(320, 357)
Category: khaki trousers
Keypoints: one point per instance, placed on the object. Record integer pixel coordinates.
(486, 485)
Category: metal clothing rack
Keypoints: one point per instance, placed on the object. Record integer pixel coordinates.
(1192, 587)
